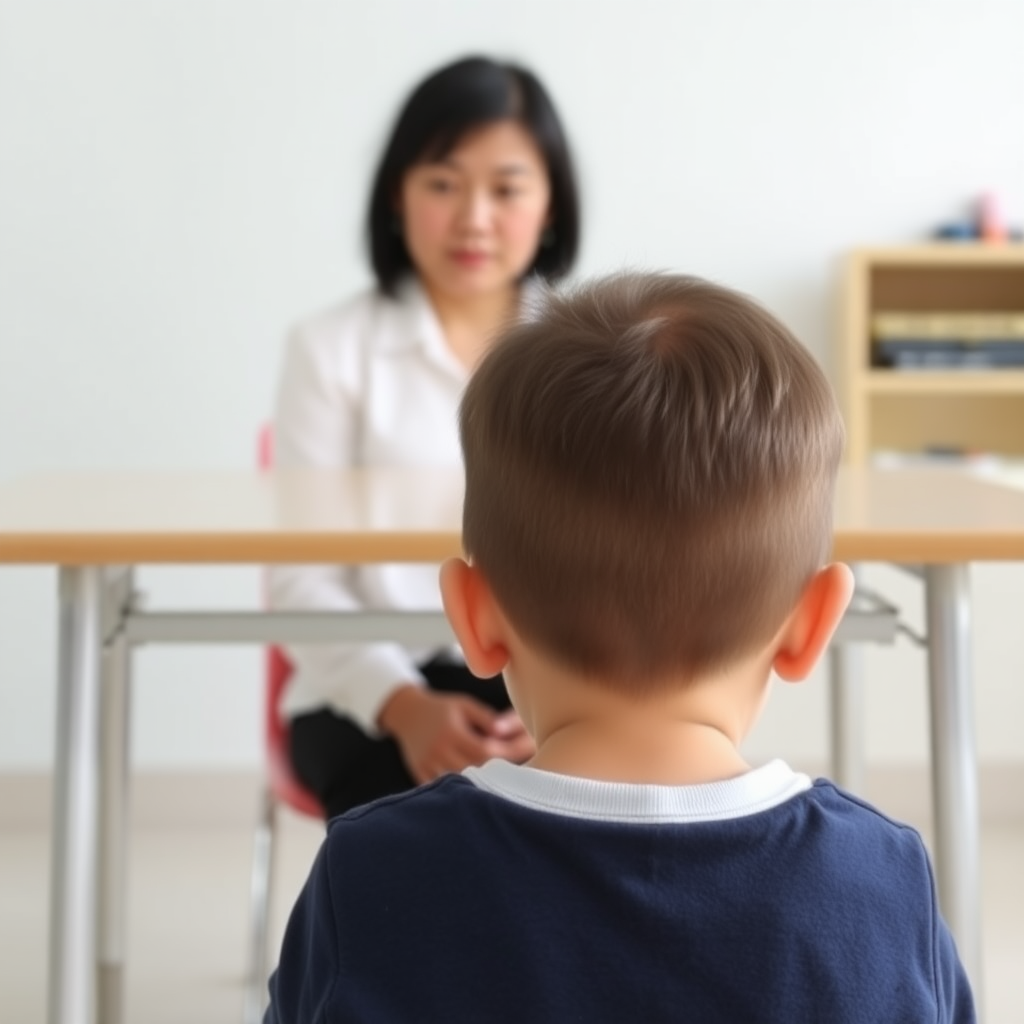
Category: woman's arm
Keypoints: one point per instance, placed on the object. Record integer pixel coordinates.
(319, 421)
(317, 424)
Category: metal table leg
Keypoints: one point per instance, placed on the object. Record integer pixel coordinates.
(76, 794)
(846, 713)
(954, 762)
(113, 858)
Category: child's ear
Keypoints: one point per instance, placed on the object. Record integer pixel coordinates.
(475, 618)
(810, 626)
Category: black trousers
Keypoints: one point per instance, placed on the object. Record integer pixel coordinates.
(343, 767)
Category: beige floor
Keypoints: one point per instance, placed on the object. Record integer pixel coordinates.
(187, 921)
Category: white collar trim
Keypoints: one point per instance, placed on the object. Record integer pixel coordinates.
(422, 328)
(758, 790)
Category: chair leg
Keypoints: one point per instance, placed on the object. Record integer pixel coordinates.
(260, 893)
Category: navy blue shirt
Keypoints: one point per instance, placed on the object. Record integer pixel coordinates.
(511, 894)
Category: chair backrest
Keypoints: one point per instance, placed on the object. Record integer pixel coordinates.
(280, 776)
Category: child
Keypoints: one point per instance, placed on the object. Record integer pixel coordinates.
(650, 465)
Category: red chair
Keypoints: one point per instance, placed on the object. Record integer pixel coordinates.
(280, 786)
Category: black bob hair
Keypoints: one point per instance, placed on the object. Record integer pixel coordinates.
(465, 95)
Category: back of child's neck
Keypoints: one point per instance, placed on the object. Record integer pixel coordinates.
(690, 756)
(685, 736)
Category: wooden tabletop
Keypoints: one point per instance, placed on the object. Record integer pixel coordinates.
(915, 516)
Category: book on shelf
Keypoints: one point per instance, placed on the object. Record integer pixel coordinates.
(948, 340)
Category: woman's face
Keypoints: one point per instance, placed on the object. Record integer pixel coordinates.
(472, 221)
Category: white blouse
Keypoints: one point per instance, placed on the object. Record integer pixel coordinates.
(370, 382)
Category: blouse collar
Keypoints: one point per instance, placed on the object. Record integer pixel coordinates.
(421, 327)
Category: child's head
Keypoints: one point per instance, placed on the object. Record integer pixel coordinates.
(650, 467)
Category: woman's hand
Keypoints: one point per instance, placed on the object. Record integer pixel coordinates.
(446, 732)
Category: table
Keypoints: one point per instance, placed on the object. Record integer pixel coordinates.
(96, 527)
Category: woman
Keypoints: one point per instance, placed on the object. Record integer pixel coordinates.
(473, 206)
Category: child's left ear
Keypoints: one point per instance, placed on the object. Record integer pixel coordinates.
(811, 624)
(475, 617)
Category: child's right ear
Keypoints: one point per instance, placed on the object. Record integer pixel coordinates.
(475, 617)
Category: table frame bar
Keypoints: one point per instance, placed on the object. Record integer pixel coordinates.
(873, 620)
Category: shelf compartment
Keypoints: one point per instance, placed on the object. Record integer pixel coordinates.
(953, 288)
(946, 382)
(984, 422)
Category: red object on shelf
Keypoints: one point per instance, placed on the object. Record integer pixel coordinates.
(991, 225)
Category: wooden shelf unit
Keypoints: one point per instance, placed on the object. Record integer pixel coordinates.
(909, 411)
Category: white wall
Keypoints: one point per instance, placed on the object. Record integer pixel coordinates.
(179, 180)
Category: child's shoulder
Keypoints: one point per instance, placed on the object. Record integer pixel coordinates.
(846, 805)
(434, 810)
(435, 836)
(862, 839)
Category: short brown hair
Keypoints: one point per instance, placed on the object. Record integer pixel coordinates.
(650, 468)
